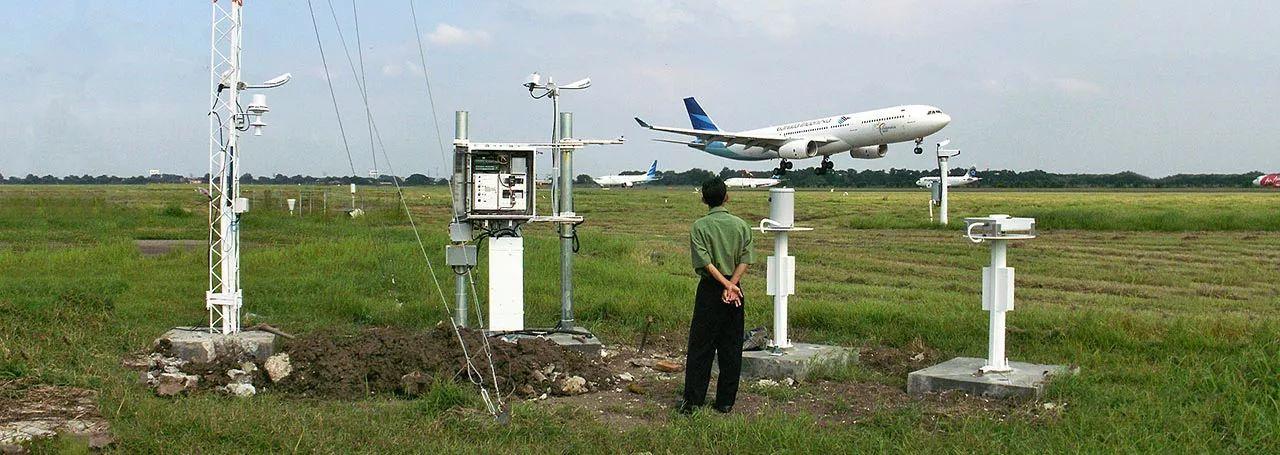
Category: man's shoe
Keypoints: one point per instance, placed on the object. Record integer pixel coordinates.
(724, 409)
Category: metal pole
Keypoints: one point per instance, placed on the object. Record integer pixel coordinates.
(996, 361)
(555, 153)
(461, 131)
(567, 234)
(943, 170)
(781, 340)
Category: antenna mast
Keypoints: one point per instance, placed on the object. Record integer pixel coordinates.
(226, 121)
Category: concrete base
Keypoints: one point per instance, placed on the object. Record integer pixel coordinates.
(795, 362)
(588, 344)
(1027, 380)
(198, 344)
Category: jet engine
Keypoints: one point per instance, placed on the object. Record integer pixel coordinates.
(871, 152)
(797, 149)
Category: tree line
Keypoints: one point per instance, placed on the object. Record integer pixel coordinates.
(800, 178)
(1003, 178)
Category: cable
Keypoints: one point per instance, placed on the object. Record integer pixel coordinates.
(325, 62)
(364, 78)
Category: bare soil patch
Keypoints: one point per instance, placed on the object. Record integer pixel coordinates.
(32, 411)
(162, 247)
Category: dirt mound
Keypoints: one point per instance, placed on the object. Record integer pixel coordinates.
(389, 360)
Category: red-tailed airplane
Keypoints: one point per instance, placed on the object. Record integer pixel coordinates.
(1268, 180)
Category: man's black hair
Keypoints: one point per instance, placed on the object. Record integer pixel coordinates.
(714, 192)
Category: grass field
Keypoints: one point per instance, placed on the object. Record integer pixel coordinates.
(1168, 302)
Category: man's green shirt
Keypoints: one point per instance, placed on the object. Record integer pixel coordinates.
(722, 239)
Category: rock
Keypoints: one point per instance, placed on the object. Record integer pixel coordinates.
(667, 366)
(636, 388)
(411, 384)
(538, 376)
(7, 449)
(239, 376)
(241, 390)
(138, 363)
(789, 382)
(548, 369)
(249, 367)
(626, 377)
(171, 384)
(526, 390)
(573, 385)
(278, 367)
(767, 383)
(643, 362)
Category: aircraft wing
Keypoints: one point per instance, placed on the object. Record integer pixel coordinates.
(769, 141)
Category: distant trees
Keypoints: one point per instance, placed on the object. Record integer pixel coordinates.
(808, 177)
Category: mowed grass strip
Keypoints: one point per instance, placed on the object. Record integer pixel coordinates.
(1167, 302)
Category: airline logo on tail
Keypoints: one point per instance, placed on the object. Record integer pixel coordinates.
(653, 171)
(698, 117)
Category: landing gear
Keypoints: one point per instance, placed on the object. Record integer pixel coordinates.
(919, 141)
(826, 166)
(783, 167)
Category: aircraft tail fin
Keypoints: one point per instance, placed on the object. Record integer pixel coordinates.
(973, 172)
(699, 117)
(653, 170)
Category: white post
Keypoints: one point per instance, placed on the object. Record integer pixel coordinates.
(1001, 302)
(780, 271)
(943, 170)
(780, 337)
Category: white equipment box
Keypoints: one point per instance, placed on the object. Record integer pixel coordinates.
(506, 288)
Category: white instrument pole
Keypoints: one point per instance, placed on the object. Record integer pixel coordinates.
(780, 270)
(223, 298)
(227, 119)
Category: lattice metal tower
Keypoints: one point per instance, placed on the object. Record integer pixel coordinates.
(226, 121)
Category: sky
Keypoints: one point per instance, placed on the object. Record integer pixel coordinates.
(121, 87)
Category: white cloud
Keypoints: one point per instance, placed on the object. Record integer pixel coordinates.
(448, 35)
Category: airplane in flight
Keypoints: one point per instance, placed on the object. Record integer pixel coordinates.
(1268, 180)
(967, 178)
(751, 182)
(628, 180)
(865, 135)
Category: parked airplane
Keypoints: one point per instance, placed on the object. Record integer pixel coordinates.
(629, 180)
(967, 178)
(1268, 180)
(751, 182)
(865, 135)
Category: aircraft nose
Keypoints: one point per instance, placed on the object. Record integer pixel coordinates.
(943, 120)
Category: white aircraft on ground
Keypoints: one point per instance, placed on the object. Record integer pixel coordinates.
(751, 182)
(1268, 180)
(628, 180)
(967, 178)
(864, 135)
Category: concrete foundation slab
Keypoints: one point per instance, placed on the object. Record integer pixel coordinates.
(1027, 380)
(583, 342)
(198, 344)
(796, 362)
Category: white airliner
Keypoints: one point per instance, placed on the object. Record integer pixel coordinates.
(864, 135)
(967, 178)
(751, 182)
(629, 180)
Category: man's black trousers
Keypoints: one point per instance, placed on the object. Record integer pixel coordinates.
(716, 330)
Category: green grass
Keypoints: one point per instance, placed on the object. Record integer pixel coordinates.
(1167, 301)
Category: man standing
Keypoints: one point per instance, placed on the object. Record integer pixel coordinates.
(719, 243)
